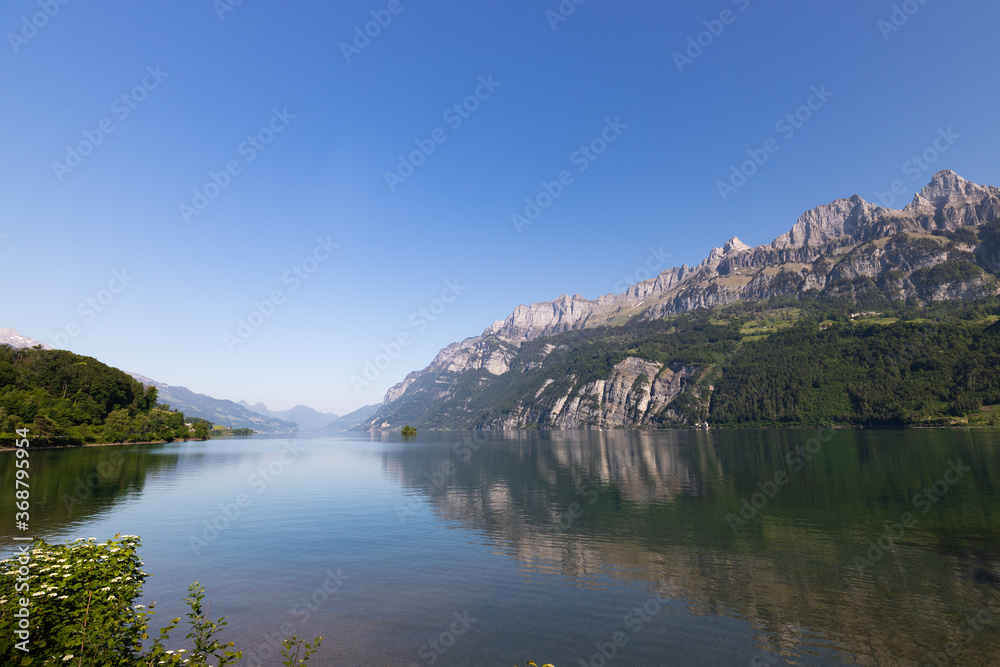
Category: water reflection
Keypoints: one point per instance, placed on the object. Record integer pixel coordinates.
(818, 558)
(77, 485)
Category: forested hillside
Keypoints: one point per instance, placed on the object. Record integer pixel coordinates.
(65, 398)
(784, 361)
(877, 373)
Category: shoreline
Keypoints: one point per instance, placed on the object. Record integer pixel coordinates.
(953, 427)
(4, 447)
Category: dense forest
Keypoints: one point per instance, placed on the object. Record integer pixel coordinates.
(876, 374)
(792, 360)
(820, 361)
(67, 399)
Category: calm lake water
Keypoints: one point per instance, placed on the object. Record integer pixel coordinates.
(490, 549)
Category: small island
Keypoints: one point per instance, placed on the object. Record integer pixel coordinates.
(408, 431)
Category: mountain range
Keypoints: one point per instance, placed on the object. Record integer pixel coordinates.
(306, 418)
(301, 418)
(216, 410)
(937, 248)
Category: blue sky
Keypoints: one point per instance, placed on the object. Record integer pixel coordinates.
(286, 122)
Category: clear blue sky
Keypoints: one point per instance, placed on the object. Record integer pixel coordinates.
(197, 87)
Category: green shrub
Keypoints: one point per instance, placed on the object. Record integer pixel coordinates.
(82, 611)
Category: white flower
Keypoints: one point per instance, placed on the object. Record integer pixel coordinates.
(67, 657)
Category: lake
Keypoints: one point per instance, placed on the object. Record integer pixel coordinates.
(798, 547)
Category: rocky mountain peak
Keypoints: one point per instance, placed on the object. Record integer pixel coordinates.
(14, 338)
(734, 245)
(947, 186)
(717, 255)
(828, 222)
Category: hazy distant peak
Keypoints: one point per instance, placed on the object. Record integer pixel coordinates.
(259, 408)
(14, 338)
(307, 418)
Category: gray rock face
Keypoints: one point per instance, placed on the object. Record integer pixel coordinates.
(948, 189)
(946, 203)
(826, 249)
(949, 202)
(543, 319)
(636, 392)
(839, 219)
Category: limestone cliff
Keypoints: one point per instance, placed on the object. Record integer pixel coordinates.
(835, 249)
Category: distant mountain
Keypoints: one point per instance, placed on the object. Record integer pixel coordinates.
(525, 371)
(353, 420)
(307, 419)
(215, 410)
(14, 338)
